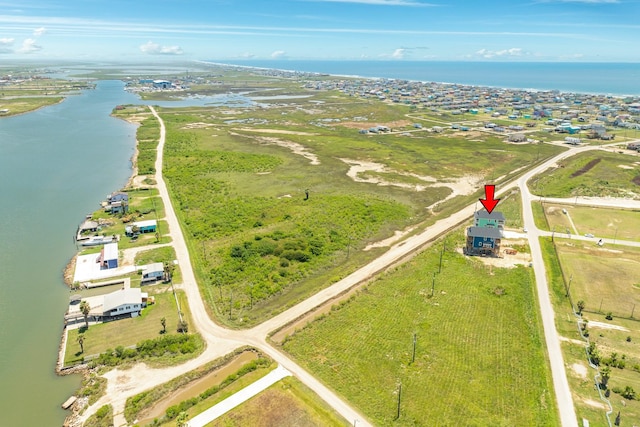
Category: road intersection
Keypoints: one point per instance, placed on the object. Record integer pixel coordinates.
(221, 341)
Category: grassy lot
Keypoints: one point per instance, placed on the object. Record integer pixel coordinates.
(608, 341)
(511, 207)
(601, 222)
(607, 279)
(479, 354)
(165, 254)
(257, 244)
(594, 173)
(286, 403)
(26, 105)
(127, 332)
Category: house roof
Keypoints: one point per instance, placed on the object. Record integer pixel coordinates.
(156, 266)
(148, 223)
(492, 233)
(483, 214)
(122, 297)
(110, 251)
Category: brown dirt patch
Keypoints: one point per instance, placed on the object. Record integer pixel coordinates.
(636, 180)
(586, 168)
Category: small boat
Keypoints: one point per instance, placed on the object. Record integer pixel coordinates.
(97, 240)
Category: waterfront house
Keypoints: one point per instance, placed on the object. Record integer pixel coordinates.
(109, 256)
(124, 302)
(152, 273)
(149, 226)
(118, 196)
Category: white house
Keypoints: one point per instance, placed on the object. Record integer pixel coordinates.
(109, 256)
(124, 301)
(152, 272)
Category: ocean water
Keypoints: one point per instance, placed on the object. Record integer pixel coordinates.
(602, 78)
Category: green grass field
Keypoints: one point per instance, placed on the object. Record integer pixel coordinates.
(586, 399)
(607, 279)
(594, 173)
(257, 245)
(601, 222)
(479, 354)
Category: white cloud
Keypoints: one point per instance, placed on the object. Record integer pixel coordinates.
(29, 46)
(39, 31)
(382, 2)
(513, 52)
(279, 54)
(398, 54)
(151, 48)
(246, 55)
(5, 45)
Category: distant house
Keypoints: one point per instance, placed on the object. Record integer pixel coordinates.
(109, 256)
(152, 273)
(483, 241)
(517, 137)
(572, 140)
(149, 226)
(129, 301)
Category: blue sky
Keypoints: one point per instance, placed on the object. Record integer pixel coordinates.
(534, 30)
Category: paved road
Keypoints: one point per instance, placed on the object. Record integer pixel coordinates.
(220, 341)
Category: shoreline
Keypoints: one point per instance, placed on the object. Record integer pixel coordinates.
(427, 63)
(64, 98)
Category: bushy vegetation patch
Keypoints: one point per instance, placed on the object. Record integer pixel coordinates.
(174, 410)
(166, 346)
(136, 404)
(102, 418)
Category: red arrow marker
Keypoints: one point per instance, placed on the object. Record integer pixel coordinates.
(489, 202)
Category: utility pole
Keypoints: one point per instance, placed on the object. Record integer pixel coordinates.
(399, 397)
(415, 336)
(569, 287)
(230, 304)
(441, 253)
(433, 284)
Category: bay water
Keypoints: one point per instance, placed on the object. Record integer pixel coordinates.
(56, 164)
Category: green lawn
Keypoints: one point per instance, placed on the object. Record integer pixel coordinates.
(479, 356)
(127, 332)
